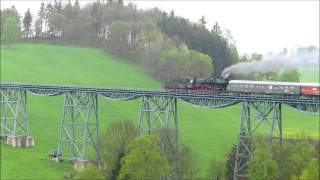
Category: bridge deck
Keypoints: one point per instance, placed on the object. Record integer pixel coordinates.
(232, 96)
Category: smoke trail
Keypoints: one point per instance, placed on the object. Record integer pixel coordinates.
(274, 63)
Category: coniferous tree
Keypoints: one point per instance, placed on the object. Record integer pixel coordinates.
(216, 29)
(198, 38)
(38, 27)
(41, 20)
(48, 12)
(77, 5)
(27, 20)
(172, 13)
(120, 3)
(230, 162)
(57, 6)
(203, 21)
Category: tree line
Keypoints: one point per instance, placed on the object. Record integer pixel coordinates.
(167, 46)
(125, 155)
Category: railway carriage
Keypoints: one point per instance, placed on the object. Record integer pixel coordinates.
(264, 87)
(269, 87)
(310, 88)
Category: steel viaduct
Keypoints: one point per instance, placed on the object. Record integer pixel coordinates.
(79, 126)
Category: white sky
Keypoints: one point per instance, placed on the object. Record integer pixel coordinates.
(257, 26)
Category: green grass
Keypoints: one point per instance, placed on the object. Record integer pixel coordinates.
(210, 132)
(309, 74)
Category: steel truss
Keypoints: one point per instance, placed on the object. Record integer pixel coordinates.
(119, 96)
(79, 127)
(14, 118)
(212, 103)
(41, 92)
(255, 115)
(308, 108)
(159, 115)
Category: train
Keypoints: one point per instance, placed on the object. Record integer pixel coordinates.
(212, 85)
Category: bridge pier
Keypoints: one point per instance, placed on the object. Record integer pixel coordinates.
(79, 128)
(159, 115)
(253, 116)
(14, 118)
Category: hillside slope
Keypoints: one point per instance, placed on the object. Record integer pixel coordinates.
(310, 74)
(210, 132)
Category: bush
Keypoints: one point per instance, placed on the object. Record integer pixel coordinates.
(144, 160)
(311, 172)
(217, 169)
(275, 161)
(261, 166)
(90, 172)
(115, 146)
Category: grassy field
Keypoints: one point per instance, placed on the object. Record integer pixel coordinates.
(309, 74)
(210, 132)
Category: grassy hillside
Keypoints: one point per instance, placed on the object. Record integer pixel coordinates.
(210, 132)
(310, 74)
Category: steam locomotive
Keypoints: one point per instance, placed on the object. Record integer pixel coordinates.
(211, 85)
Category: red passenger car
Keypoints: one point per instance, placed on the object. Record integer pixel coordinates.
(310, 89)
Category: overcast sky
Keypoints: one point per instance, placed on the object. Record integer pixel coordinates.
(256, 26)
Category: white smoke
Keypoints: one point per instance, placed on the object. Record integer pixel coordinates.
(274, 63)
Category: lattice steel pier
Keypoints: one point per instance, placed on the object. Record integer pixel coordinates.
(159, 115)
(79, 128)
(14, 118)
(255, 115)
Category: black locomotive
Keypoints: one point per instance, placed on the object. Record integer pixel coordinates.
(209, 85)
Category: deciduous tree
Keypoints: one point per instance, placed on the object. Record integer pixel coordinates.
(144, 160)
(262, 166)
(290, 76)
(216, 169)
(11, 31)
(188, 166)
(114, 146)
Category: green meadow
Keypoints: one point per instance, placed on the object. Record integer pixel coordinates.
(310, 74)
(210, 132)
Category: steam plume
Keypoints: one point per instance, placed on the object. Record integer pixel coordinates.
(274, 63)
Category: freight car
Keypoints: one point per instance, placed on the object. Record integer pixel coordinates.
(268, 87)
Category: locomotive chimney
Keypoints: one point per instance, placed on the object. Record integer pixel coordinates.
(224, 77)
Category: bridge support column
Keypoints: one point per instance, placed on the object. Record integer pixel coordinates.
(79, 128)
(14, 118)
(159, 115)
(253, 116)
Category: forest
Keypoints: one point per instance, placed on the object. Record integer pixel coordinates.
(167, 46)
